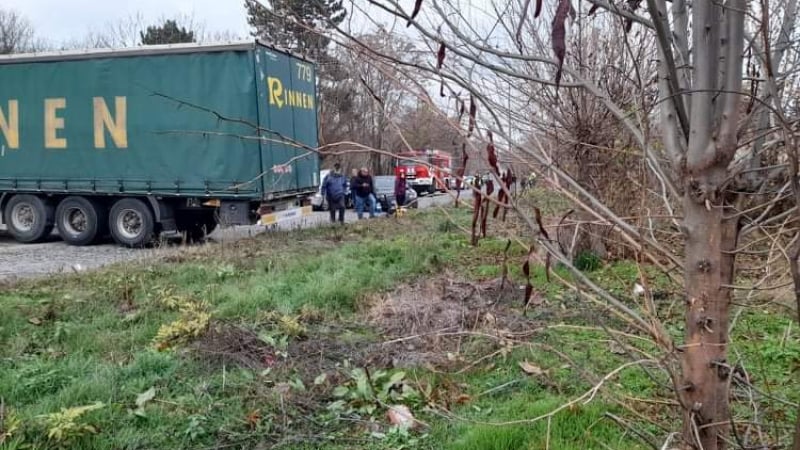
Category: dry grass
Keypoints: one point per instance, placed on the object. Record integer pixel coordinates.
(425, 321)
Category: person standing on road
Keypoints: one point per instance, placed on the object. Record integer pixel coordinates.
(334, 188)
(400, 188)
(364, 192)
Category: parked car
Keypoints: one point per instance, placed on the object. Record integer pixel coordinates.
(384, 191)
(320, 203)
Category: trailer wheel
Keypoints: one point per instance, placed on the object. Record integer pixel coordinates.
(81, 221)
(29, 218)
(131, 223)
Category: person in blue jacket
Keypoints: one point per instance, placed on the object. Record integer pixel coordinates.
(334, 188)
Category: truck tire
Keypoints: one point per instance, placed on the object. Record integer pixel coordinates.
(81, 221)
(29, 218)
(131, 223)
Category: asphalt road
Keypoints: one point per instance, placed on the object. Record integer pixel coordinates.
(52, 257)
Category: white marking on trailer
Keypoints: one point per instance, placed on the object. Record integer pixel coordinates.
(3, 151)
(271, 219)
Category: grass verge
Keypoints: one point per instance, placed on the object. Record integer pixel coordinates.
(267, 343)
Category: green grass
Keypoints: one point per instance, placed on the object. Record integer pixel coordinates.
(75, 340)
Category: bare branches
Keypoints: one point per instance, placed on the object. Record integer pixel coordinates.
(658, 10)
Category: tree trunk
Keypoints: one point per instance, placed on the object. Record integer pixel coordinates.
(796, 277)
(796, 445)
(708, 269)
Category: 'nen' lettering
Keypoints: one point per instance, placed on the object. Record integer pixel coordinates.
(54, 123)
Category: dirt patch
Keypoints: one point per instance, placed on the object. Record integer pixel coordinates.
(417, 324)
(425, 321)
(228, 344)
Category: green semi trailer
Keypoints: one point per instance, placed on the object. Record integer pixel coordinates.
(155, 140)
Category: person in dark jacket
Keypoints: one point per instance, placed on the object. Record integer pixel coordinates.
(400, 188)
(363, 189)
(334, 188)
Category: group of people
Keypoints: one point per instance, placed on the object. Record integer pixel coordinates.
(362, 186)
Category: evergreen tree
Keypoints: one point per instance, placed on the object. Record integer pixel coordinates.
(167, 33)
(288, 24)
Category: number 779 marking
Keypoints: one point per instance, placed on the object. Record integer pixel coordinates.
(304, 72)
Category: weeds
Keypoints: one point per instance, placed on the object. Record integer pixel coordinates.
(66, 426)
(192, 322)
(261, 329)
(366, 393)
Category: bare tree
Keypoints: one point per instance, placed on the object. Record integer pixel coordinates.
(17, 34)
(723, 175)
(128, 32)
(369, 98)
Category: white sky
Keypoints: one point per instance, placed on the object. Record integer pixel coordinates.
(64, 20)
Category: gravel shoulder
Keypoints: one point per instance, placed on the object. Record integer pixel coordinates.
(54, 257)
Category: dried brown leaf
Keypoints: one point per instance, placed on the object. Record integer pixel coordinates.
(559, 35)
(492, 155)
(531, 369)
(616, 349)
(417, 7)
(538, 214)
(473, 109)
(440, 56)
(401, 416)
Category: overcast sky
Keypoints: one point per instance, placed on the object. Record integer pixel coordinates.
(63, 20)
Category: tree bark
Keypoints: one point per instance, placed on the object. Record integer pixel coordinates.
(708, 270)
(795, 267)
(796, 445)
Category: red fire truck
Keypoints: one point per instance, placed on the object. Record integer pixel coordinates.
(427, 171)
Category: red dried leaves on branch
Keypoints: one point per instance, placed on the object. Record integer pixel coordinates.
(538, 215)
(473, 109)
(417, 7)
(439, 62)
(526, 270)
(524, 14)
(526, 266)
(491, 154)
(559, 35)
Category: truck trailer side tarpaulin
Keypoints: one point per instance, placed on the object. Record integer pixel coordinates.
(226, 122)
